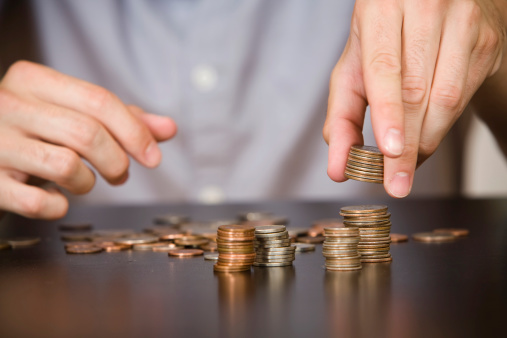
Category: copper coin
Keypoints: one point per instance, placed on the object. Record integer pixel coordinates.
(193, 241)
(220, 268)
(236, 228)
(75, 227)
(433, 237)
(112, 247)
(82, 243)
(170, 236)
(4, 245)
(366, 149)
(186, 252)
(453, 231)
(397, 238)
(83, 249)
(137, 239)
(211, 247)
(376, 260)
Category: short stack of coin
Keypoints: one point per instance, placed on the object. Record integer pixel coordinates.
(365, 163)
(235, 248)
(374, 223)
(273, 246)
(340, 249)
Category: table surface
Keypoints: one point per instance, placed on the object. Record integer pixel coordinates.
(454, 289)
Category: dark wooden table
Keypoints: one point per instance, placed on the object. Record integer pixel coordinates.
(456, 289)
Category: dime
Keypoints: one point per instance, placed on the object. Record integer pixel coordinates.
(311, 240)
(136, 239)
(185, 252)
(433, 237)
(304, 247)
(75, 227)
(148, 246)
(166, 248)
(269, 229)
(21, 242)
(453, 231)
(83, 249)
(363, 209)
(213, 256)
(397, 238)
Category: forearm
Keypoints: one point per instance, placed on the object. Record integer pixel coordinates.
(490, 101)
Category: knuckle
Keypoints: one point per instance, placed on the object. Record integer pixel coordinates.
(32, 205)
(427, 147)
(99, 98)
(385, 62)
(488, 42)
(448, 97)
(414, 90)
(86, 131)
(66, 164)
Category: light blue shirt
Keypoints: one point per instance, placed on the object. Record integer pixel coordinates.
(246, 82)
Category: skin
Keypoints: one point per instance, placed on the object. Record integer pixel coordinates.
(51, 122)
(417, 64)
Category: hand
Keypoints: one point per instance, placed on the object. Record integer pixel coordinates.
(417, 64)
(50, 122)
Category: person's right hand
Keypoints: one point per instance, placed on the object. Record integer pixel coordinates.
(50, 122)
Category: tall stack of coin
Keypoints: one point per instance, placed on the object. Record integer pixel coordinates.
(340, 249)
(365, 163)
(273, 246)
(374, 223)
(235, 248)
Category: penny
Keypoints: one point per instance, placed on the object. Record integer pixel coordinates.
(4, 245)
(21, 242)
(398, 238)
(376, 260)
(221, 268)
(171, 236)
(210, 246)
(453, 231)
(112, 247)
(433, 237)
(193, 241)
(85, 243)
(185, 252)
(83, 249)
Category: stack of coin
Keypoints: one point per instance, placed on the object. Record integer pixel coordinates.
(365, 163)
(374, 223)
(340, 249)
(235, 248)
(273, 246)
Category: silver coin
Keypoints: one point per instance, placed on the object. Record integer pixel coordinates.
(303, 247)
(211, 256)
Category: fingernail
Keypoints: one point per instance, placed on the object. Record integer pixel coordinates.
(393, 142)
(399, 186)
(152, 154)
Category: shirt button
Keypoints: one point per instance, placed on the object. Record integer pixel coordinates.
(204, 77)
(211, 195)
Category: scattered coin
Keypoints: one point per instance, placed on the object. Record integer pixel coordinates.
(75, 227)
(304, 247)
(136, 239)
(398, 238)
(433, 237)
(211, 256)
(148, 246)
(210, 246)
(171, 219)
(453, 231)
(191, 241)
(4, 245)
(83, 249)
(311, 240)
(21, 242)
(113, 247)
(166, 248)
(185, 252)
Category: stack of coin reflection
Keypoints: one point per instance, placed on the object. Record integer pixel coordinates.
(365, 163)
(273, 246)
(235, 248)
(340, 249)
(374, 223)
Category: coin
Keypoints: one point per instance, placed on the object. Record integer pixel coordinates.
(222, 268)
(148, 246)
(210, 246)
(83, 249)
(211, 256)
(113, 247)
(166, 248)
(278, 264)
(136, 239)
(185, 252)
(397, 238)
(363, 209)
(172, 219)
(304, 247)
(433, 237)
(269, 229)
(4, 245)
(21, 242)
(374, 151)
(75, 227)
(191, 241)
(453, 231)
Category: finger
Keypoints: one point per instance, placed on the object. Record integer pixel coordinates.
(420, 44)
(54, 163)
(451, 75)
(68, 128)
(161, 127)
(51, 86)
(379, 28)
(30, 201)
(346, 109)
